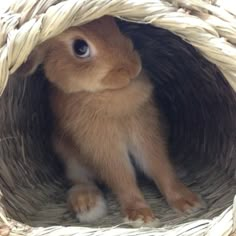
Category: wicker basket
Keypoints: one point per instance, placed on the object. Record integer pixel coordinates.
(188, 47)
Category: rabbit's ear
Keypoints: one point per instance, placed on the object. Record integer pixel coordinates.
(34, 60)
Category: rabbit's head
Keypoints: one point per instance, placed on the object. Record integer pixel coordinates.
(93, 57)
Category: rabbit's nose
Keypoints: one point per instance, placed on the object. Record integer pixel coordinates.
(130, 72)
(129, 65)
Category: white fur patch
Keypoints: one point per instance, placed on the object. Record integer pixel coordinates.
(95, 213)
(75, 171)
(140, 223)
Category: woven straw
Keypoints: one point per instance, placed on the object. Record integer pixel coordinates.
(33, 188)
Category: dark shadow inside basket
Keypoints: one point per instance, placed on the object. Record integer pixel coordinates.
(199, 106)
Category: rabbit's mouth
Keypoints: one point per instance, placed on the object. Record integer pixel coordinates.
(116, 80)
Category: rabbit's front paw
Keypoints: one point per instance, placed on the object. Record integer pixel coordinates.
(87, 202)
(137, 217)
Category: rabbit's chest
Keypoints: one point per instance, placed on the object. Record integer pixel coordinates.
(105, 114)
(101, 127)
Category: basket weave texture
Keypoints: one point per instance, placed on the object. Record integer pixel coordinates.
(32, 192)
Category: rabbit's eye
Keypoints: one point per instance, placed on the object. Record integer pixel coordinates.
(81, 48)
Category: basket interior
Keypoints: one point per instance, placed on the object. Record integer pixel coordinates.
(199, 106)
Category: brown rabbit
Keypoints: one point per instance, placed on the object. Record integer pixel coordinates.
(104, 112)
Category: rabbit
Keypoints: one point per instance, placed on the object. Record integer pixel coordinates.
(104, 110)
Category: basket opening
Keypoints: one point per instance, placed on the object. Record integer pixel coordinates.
(196, 100)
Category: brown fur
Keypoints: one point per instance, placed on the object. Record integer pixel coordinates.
(104, 111)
